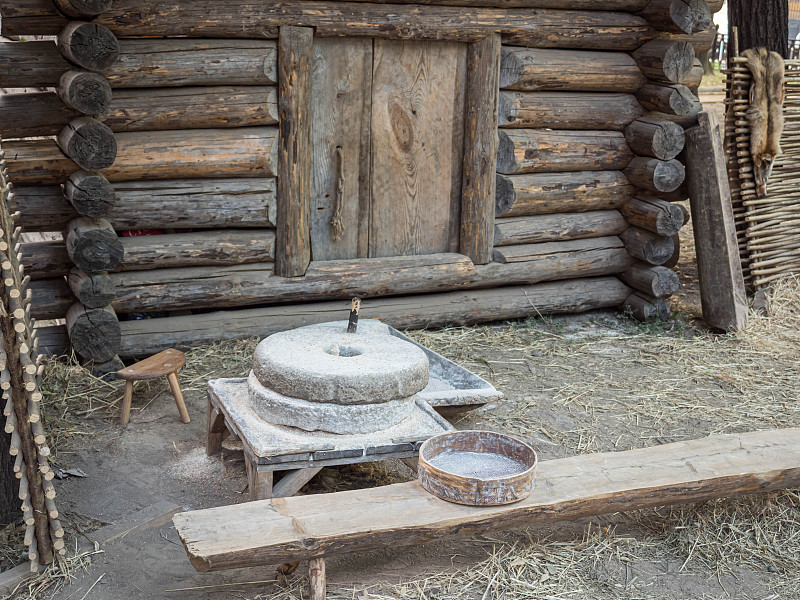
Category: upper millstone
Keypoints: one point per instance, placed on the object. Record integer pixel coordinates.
(324, 363)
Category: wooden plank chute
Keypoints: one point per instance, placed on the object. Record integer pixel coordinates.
(314, 526)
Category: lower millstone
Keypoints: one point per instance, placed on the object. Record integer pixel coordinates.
(325, 416)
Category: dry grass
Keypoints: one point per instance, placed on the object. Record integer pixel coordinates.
(51, 580)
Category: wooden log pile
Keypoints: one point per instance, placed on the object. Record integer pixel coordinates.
(165, 119)
(20, 372)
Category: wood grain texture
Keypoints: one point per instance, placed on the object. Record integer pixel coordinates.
(722, 293)
(342, 100)
(293, 232)
(90, 194)
(547, 193)
(50, 299)
(673, 99)
(202, 248)
(417, 146)
(548, 151)
(31, 64)
(86, 92)
(93, 290)
(82, 8)
(92, 244)
(647, 246)
(538, 69)
(653, 214)
(193, 62)
(34, 114)
(656, 176)
(529, 263)
(648, 136)
(555, 110)
(558, 227)
(89, 143)
(88, 45)
(247, 18)
(45, 259)
(267, 532)
(94, 333)
(655, 281)
(480, 150)
(678, 16)
(248, 285)
(665, 60)
(645, 308)
(179, 203)
(435, 310)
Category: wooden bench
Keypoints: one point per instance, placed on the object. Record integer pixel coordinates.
(312, 527)
(164, 363)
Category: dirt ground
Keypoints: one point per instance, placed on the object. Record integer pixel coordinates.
(574, 384)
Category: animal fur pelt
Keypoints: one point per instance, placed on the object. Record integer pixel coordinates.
(766, 112)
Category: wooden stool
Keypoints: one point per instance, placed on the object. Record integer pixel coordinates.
(164, 363)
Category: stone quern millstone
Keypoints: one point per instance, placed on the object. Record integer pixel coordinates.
(325, 364)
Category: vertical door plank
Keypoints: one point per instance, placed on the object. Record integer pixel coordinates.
(292, 235)
(342, 95)
(722, 293)
(480, 149)
(417, 147)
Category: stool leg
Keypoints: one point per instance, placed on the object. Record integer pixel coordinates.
(176, 393)
(316, 578)
(126, 404)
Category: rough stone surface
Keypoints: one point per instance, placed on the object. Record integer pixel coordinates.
(327, 364)
(325, 416)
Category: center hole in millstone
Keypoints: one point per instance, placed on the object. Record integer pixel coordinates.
(346, 351)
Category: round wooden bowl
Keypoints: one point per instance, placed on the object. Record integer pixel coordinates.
(480, 468)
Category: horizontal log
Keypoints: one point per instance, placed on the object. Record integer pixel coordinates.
(653, 175)
(90, 194)
(702, 41)
(645, 308)
(246, 18)
(530, 263)
(92, 244)
(660, 139)
(89, 143)
(547, 193)
(94, 333)
(43, 260)
(665, 60)
(679, 16)
(89, 45)
(146, 336)
(673, 99)
(266, 531)
(44, 113)
(221, 248)
(193, 62)
(40, 17)
(93, 290)
(558, 227)
(84, 91)
(653, 214)
(53, 340)
(543, 151)
(80, 9)
(50, 298)
(655, 281)
(569, 110)
(241, 152)
(30, 64)
(647, 246)
(695, 77)
(536, 69)
(179, 204)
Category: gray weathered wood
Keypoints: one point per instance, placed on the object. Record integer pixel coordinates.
(558, 227)
(45, 259)
(533, 69)
(33, 114)
(93, 290)
(88, 45)
(547, 193)
(658, 176)
(644, 307)
(340, 148)
(293, 237)
(665, 60)
(50, 298)
(653, 214)
(89, 143)
(678, 16)
(417, 147)
(93, 245)
(647, 246)
(530, 263)
(648, 136)
(93, 332)
(452, 308)
(480, 149)
(83, 8)
(222, 248)
(84, 91)
(293, 482)
(722, 293)
(90, 194)
(542, 151)
(673, 99)
(30, 64)
(568, 110)
(656, 281)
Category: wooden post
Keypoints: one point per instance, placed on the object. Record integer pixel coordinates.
(480, 150)
(316, 578)
(293, 235)
(722, 292)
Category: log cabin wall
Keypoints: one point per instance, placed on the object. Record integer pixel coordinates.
(564, 131)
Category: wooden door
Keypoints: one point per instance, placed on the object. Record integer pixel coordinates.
(387, 147)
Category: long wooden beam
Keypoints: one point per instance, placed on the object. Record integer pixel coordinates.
(274, 531)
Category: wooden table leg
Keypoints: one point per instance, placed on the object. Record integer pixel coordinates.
(178, 395)
(292, 481)
(216, 430)
(260, 483)
(126, 404)
(411, 463)
(316, 578)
